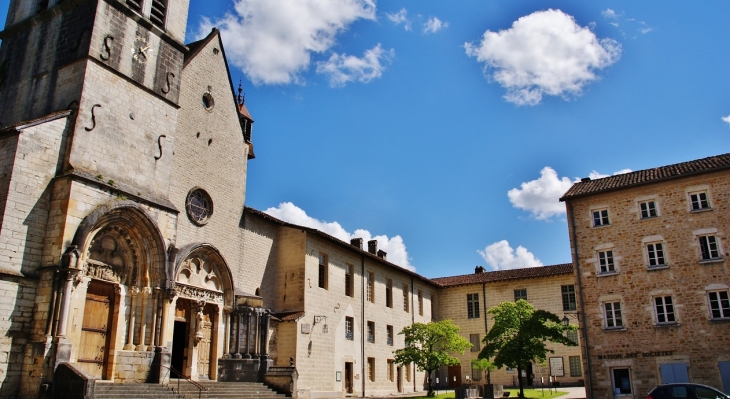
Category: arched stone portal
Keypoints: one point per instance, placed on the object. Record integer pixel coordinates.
(203, 293)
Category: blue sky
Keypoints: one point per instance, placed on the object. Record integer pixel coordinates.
(403, 121)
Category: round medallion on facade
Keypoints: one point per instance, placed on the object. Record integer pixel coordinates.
(199, 206)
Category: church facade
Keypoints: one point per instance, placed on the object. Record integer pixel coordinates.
(126, 251)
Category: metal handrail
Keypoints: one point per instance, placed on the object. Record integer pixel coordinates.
(179, 377)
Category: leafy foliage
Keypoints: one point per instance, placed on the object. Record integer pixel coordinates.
(520, 333)
(428, 346)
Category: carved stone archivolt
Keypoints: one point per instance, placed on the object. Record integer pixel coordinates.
(200, 271)
(198, 294)
(112, 256)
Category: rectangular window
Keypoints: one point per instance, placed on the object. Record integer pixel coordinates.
(390, 370)
(475, 341)
(521, 294)
(719, 305)
(371, 369)
(656, 254)
(389, 332)
(371, 287)
(158, 11)
(575, 366)
(406, 306)
(371, 331)
(600, 217)
(613, 315)
(408, 372)
(349, 281)
(476, 375)
(699, 201)
(605, 260)
(648, 209)
(708, 247)
(322, 271)
(572, 335)
(389, 293)
(420, 303)
(664, 309)
(349, 321)
(621, 381)
(568, 292)
(472, 306)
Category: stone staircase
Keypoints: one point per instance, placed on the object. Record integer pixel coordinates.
(221, 390)
(106, 390)
(214, 390)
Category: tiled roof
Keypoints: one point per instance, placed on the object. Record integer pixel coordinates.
(37, 121)
(289, 316)
(244, 111)
(339, 242)
(505, 275)
(647, 176)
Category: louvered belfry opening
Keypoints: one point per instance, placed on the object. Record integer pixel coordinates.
(158, 12)
(136, 5)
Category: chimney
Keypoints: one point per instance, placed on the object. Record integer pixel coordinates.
(373, 246)
(585, 179)
(382, 254)
(479, 270)
(356, 242)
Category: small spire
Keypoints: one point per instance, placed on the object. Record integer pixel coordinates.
(241, 97)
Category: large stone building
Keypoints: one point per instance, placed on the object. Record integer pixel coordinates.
(465, 299)
(649, 250)
(126, 252)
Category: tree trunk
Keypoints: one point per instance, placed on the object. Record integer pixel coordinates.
(430, 383)
(519, 378)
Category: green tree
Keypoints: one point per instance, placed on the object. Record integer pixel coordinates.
(519, 335)
(484, 364)
(428, 346)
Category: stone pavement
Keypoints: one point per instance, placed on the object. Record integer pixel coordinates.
(572, 393)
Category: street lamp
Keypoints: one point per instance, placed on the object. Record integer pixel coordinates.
(566, 320)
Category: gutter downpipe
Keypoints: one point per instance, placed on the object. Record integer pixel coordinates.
(571, 226)
(362, 323)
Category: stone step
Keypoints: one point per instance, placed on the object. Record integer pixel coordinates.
(131, 391)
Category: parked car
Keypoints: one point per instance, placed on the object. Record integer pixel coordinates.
(685, 391)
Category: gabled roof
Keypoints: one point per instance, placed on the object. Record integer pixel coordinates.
(37, 121)
(505, 275)
(341, 243)
(647, 176)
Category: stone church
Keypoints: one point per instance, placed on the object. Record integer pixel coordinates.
(126, 251)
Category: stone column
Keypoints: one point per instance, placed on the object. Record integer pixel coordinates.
(265, 339)
(155, 304)
(228, 317)
(66, 304)
(248, 333)
(146, 291)
(257, 338)
(237, 345)
(133, 291)
(168, 297)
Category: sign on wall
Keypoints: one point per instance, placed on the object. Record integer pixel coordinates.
(556, 367)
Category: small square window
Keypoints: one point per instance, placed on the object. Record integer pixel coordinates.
(648, 209)
(521, 294)
(613, 314)
(699, 201)
(600, 217)
(655, 253)
(575, 366)
(573, 336)
(605, 261)
(719, 304)
(621, 381)
(709, 249)
(664, 309)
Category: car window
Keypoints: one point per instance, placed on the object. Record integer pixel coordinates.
(658, 393)
(679, 392)
(705, 393)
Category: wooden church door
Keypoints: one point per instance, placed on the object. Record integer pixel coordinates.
(204, 347)
(93, 348)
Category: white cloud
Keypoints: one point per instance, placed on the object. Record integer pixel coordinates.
(342, 68)
(434, 25)
(544, 53)
(540, 197)
(273, 41)
(501, 256)
(596, 175)
(400, 17)
(609, 13)
(394, 246)
(726, 119)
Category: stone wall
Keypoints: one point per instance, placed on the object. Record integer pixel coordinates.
(133, 366)
(17, 310)
(643, 344)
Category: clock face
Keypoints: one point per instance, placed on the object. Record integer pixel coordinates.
(141, 50)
